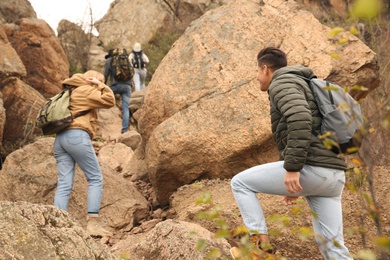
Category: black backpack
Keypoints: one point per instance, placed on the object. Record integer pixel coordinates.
(120, 62)
(137, 61)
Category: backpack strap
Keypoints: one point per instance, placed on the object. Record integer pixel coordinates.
(82, 113)
(308, 80)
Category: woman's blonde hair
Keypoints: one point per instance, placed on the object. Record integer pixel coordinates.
(96, 74)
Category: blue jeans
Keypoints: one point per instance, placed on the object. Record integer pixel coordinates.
(139, 79)
(125, 92)
(71, 147)
(322, 188)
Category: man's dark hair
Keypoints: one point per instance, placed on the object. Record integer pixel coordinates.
(109, 54)
(273, 57)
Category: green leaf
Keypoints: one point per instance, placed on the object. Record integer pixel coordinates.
(221, 223)
(354, 31)
(201, 245)
(343, 41)
(213, 254)
(335, 31)
(334, 55)
(206, 198)
(304, 232)
(383, 243)
(222, 233)
(366, 9)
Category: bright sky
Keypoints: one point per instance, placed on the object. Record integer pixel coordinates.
(76, 11)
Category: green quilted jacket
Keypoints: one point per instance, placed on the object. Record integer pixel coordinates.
(294, 118)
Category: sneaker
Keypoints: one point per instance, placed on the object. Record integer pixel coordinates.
(267, 247)
(245, 254)
(263, 246)
(95, 229)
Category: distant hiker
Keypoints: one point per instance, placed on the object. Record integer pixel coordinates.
(118, 69)
(109, 54)
(73, 145)
(306, 168)
(138, 61)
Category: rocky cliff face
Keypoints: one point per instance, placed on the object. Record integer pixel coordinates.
(127, 22)
(13, 10)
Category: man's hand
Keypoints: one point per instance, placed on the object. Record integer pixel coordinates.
(291, 180)
(289, 200)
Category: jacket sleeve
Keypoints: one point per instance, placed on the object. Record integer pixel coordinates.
(290, 100)
(101, 97)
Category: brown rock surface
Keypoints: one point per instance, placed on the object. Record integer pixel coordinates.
(13, 10)
(172, 239)
(109, 124)
(30, 174)
(33, 231)
(289, 244)
(146, 18)
(42, 54)
(10, 62)
(204, 115)
(22, 104)
(2, 122)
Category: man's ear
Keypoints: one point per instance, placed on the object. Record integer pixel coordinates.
(266, 70)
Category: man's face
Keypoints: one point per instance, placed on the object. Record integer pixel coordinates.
(264, 76)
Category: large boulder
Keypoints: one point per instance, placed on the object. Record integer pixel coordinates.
(204, 115)
(142, 19)
(35, 231)
(171, 239)
(21, 103)
(109, 124)
(42, 54)
(13, 10)
(32, 68)
(10, 66)
(10, 63)
(76, 44)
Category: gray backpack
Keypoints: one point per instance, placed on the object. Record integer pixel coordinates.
(342, 119)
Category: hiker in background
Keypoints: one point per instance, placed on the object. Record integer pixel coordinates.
(109, 54)
(119, 85)
(73, 145)
(139, 60)
(306, 168)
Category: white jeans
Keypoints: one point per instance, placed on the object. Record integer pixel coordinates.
(139, 78)
(322, 188)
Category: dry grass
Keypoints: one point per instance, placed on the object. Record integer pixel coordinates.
(376, 106)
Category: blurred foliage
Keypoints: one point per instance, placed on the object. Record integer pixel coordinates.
(366, 9)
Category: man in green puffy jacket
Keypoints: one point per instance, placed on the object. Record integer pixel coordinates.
(306, 168)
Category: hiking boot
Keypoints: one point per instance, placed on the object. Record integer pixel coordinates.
(264, 246)
(255, 251)
(95, 229)
(246, 254)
